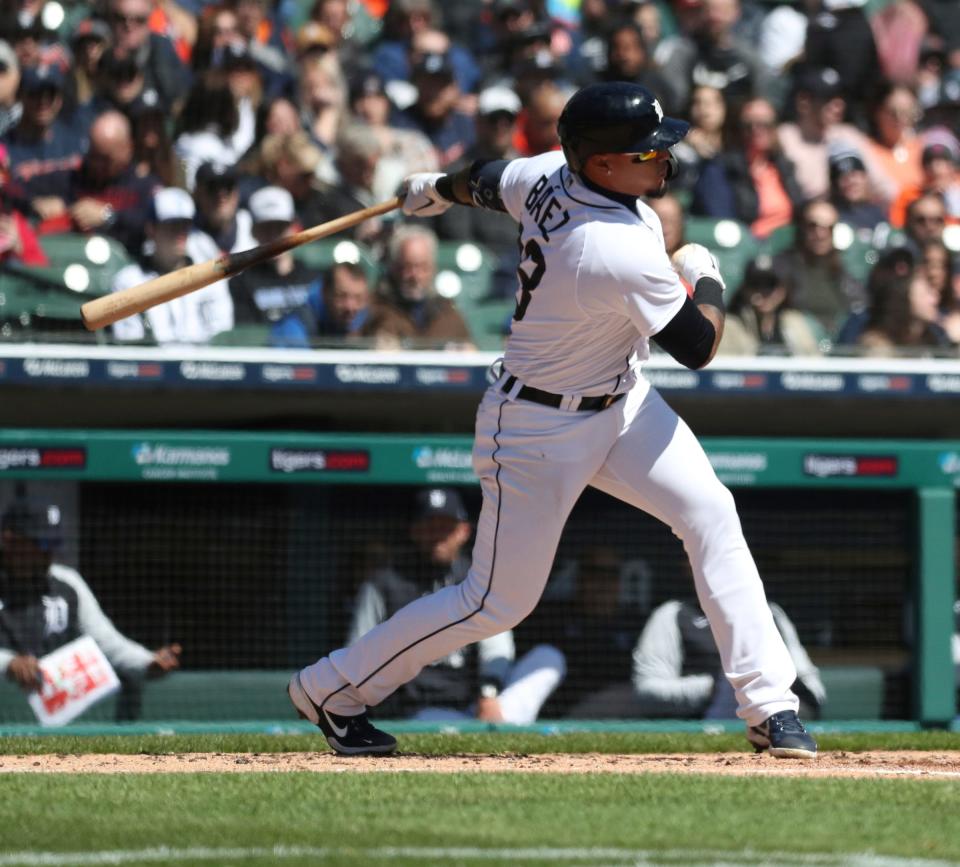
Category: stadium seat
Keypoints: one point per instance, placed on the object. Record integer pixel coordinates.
(34, 304)
(464, 271)
(84, 264)
(730, 241)
(243, 335)
(321, 254)
(779, 240)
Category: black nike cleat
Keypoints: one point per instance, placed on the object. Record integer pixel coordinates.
(784, 735)
(347, 735)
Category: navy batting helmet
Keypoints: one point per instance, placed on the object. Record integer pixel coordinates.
(615, 117)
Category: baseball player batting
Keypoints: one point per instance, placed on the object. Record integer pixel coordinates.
(569, 409)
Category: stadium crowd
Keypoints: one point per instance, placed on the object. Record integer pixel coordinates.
(822, 166)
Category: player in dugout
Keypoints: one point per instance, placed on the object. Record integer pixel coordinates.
(44, 605)
(568, 407)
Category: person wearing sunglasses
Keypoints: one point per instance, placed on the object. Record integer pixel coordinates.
(131, 36)
(568, 408)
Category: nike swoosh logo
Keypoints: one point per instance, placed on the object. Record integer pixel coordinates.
(426, 205)
(337, 730)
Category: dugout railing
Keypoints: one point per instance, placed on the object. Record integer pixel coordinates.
(242, 541)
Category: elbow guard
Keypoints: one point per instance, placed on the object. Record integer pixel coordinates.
(688, 337)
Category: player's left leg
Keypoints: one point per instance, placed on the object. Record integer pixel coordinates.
(659, 466)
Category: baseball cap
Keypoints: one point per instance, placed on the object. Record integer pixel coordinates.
(434, 64)
(760, 276)
(41, 522)
(271, 205)
(367, 83)
(498, 98)
(445, 502)
(213, 173)
(172, 203)
(940, 144)
(820, 81)
(843, 161)
(91, 28)
(36, 78)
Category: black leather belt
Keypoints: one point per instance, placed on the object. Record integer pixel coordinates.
(547, 398)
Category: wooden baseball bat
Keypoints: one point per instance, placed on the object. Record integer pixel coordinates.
(108, 309)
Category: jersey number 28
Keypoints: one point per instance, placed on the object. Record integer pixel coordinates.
(530, 273)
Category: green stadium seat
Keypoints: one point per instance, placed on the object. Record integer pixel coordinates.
(779, 240)
(321, 254)
(730, 241)
(858, 256)
(243, 335)
(84, 264)
(464, 271)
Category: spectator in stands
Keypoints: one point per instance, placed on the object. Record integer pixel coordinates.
(88, 42)
(482, 680)
(193, 318)
(893, 149)
(404, 151)
(264, 34)
(217, 28)
(10, 107)
(163, 70)
(926, 218)
(817, 281)
(405, 19)
(338, 18)
(705, 140)
(291, 161)
(760, 320)
(842, 40)
(943, 271)
(412, 309)
(629, 60)
(818, 110)
(44, 604)
(538, 121)
(152, 147)
(358, 153)
(903, 311)
(121, 82)
(18, 241)
(496, 123)
(595, 632)
(343, 308)
(209, 129)
(712, 53)
(940, 159)
(435, 112)
(850, 193)
(677, 673)
(322, 97)
(752, 181)
(670, 212)
(274, 293)
(219, 215)
(43, 148)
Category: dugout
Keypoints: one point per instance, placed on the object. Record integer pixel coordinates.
(245, 547)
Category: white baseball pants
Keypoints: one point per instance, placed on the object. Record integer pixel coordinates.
(533, 463)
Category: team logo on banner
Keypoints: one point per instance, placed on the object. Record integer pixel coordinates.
(42, 458)
(319, 460)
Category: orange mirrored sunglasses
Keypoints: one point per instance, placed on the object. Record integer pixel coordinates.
(646, 156)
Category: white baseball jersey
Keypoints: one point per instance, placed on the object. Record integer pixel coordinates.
(192, 318)
(596, 282)
(595, 285)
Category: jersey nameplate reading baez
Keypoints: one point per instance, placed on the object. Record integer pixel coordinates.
(545, 208)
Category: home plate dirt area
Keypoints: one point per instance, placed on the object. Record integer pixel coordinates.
(900, 764)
